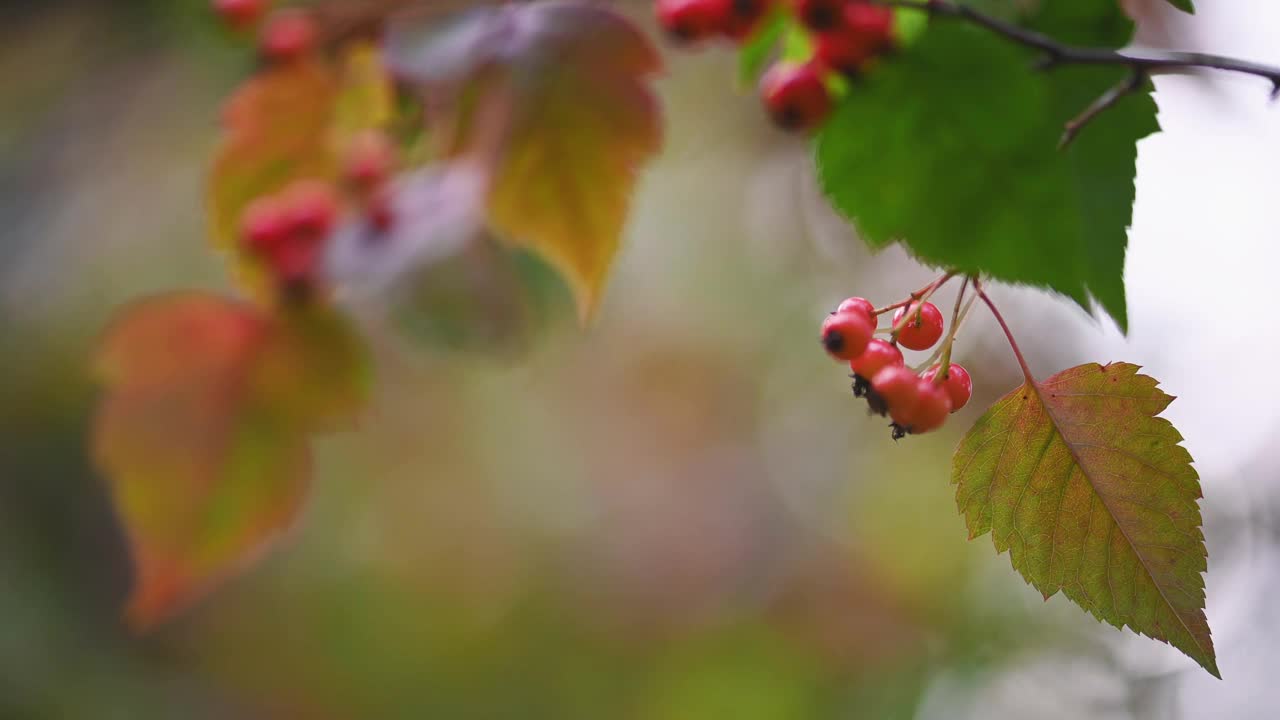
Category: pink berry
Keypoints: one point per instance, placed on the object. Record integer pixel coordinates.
(957, 383)
(846, 335)
(878, 356)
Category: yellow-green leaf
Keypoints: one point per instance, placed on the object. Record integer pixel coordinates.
(1093, 495)
(202, 433)
(289, 123)
(565, 86)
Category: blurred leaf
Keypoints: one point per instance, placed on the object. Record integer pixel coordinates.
(1093, 495)
(759, 50)
(277, 131)
(285, 124)
(366, 99)
(1183, 5)
(202, 433)
(949, 148)
(567, 82)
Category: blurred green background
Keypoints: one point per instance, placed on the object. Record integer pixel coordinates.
(680, 513)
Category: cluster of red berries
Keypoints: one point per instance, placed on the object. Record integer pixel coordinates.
(846, 36)
(286, 35)
(287, 231)
(916, 403)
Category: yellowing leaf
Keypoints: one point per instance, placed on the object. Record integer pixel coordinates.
(1093, 495)
(277, 131)
(202, 434)
(367, 99)
(289, 123)
(578, 119)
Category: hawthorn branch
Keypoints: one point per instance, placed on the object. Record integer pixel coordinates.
(1140, 63)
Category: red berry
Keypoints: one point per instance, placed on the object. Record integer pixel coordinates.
(370, 159)
(878, 356)
(846, 335)
(379, 210)
(898, 388)
(743, 17)
(859, 304)
(921, 330)
(873, 24)
(264, 225)
(312, 207)
(688, 21)
(930, 411)
(288, 35)
(796, 95)
(239, 14)
(957, 383)
(843, 51)
(819, 15)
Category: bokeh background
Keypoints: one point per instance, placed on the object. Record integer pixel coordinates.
(679, 513)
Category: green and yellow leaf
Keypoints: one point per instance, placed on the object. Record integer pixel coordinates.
(203, 431)
(1093, 495)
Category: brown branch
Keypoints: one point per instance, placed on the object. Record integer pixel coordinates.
(1141, 63)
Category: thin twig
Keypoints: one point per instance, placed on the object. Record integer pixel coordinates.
(1141, 63)
(1133, 83)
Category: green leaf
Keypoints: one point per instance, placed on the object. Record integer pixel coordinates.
(950, 148)
(759, 50)
(1093, 495)
(203, 433)
(1183, 5)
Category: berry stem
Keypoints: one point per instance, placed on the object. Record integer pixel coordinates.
(922, 293)
(944, 351)
(1017, 352)
(919, 299)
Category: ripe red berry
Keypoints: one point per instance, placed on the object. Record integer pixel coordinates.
(898, 388)
(239, 14)
(312, 207)
(380, 211)
(878, 356)
(957, 383)
(846, 335)
(819, 15)
(688, 21)
(843, 51)
(930, 410)
(370, 158)
(921, 330)
(288, 35)
(264, 225)
(858, 304)
(743, 17)
(872, 23)
(796, 95)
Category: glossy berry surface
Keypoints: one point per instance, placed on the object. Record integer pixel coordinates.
(898, 387)
(796, 95)
(846, 335)
(288, 35)
(858, 304)
(920, 331)
(873, 24)
(240, 14)
(264, 225)
(930, 410)
(819, 15)
(958, 384)
(878, 356)
(688, 21)
(842, 51)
